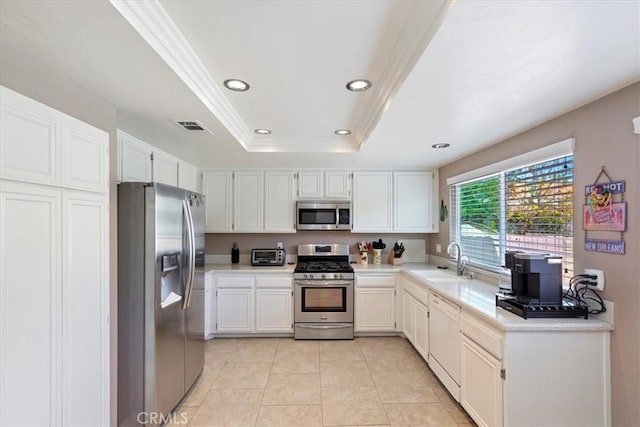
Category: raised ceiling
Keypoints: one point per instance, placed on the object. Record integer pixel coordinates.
(466, 73)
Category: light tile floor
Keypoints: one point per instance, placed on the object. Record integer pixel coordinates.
(280, 381)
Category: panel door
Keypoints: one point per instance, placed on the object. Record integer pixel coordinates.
(407, 316)
(85, 309)
(274, 310)
(235, 310)
(310, 185)
(248, 201)
(481, 385)
(29, 139)
(134, 158)
(85, 157)
(375, 309)
(217, 188)
(165, 168)
(414, 200)
(209, 306)
(30, 305)
(187, 176)
(372, 201)
(421, 328)
(337, 185)
(279, 202)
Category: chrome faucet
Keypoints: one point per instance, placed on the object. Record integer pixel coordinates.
(459, 266)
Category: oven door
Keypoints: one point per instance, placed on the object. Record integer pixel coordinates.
(323, 301)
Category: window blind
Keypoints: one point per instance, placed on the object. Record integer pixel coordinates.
(529, 209)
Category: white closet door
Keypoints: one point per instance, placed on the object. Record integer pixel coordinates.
(85, 157)
(85, 290)
(30, 298)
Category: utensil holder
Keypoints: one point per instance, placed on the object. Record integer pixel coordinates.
(377, 256)
(364, 258)
(393, 260)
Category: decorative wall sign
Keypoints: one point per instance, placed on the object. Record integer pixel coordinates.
(612, 217)
(602, 213)
(605, 246)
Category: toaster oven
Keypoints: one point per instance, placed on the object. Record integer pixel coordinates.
(268, 256)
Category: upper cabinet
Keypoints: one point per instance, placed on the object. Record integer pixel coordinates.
(372, 201)
(317, 184)
(134, 159)
(187, 176)
(141, 162)
(414, 202)
(41, 145)
(279, 205)
(249, 201)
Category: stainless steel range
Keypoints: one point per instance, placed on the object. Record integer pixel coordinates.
(323, 291)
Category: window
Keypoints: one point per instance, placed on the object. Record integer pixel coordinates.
(528, 209)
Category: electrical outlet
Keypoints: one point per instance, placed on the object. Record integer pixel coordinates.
(438, 248)
(599, 279)
(279, 245)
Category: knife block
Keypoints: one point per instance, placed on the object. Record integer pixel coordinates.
(393, 260)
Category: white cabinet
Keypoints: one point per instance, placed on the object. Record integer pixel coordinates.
(261, 303)
(372, 201)
(414, 202)
(165, 168)
(279, 202)
(248, 203)
(421, 328)
(375, 302)
(316, 184)
(310, 185)
(209, 305)
(187, 176)
(234, 310)
(274, 310)
(54, 279)
(407, 316)
(337, 184)
(134, 159)
(481, 387)
(42, 145)
(217, 186)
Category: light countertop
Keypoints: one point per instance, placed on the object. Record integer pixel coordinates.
(472, 295)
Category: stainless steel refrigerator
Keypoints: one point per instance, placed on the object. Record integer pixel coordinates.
(160, 298)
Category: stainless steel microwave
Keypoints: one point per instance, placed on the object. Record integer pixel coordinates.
(323, 215)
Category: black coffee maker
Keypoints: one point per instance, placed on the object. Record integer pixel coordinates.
(536, 279)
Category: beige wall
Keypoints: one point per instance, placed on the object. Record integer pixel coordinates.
(220, 244)
(604, 136)
(32, 79)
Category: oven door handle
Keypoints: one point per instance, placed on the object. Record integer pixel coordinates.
(333, 326)
(324, 283)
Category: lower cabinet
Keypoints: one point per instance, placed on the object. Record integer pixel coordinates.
(274, 310)
(481, 384)
(407, 315)
(253, 303)
(235, 310)
(421, 328)
(375, 302)
(209, 305)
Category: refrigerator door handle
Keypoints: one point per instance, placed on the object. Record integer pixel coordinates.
(192, 254)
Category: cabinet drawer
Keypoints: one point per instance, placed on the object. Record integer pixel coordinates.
(376, 280)
(482, 334)
(235, 282)
(449, 309)
(417, 291)
(274, 281)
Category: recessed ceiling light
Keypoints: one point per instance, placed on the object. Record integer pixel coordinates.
(358, 85)
(262, 131)
(342, 132)
(441, 145)
(236, 85)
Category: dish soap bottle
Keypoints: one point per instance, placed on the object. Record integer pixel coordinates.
(235, 254)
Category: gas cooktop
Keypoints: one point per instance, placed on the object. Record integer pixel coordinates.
(323, 267)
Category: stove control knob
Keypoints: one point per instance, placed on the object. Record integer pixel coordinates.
(324, 276)
(311, 276)
(335, 276)
(306, 276)
(341, 276)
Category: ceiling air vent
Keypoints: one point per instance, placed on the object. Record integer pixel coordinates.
(191, 126)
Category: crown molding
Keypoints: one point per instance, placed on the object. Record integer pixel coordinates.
(409, 48)
(155, 26)
(291, 145)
